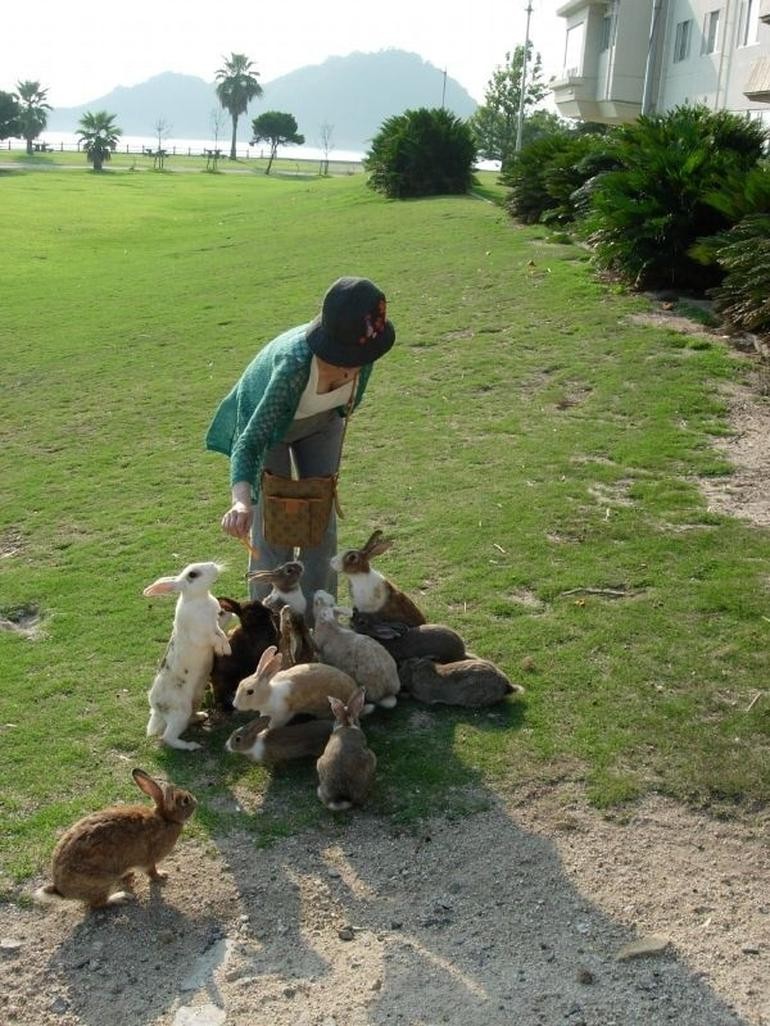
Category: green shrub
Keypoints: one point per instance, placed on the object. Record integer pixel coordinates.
(546, 173)
(425, 152)
(647, 214)
(743, 251)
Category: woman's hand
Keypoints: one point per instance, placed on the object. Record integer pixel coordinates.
(237, 521)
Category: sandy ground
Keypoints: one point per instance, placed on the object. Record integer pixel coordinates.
(520, 915)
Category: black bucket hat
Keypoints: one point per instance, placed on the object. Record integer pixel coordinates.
(352, 328)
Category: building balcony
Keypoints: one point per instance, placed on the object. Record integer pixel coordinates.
(757, 86)
(575, 96)
(764, 11)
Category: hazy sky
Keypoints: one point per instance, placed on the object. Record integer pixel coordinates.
(81, 49)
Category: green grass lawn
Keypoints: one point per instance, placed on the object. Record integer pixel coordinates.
(523, 439)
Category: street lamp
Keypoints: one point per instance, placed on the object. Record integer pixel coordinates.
(523, 83)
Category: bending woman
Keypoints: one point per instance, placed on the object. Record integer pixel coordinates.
(286, 412)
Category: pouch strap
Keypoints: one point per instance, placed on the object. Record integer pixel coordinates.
(348, 415)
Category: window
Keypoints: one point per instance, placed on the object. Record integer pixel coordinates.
(710, 32)
(749, 24)
(573, 55)
(682, 40)
(606, 33)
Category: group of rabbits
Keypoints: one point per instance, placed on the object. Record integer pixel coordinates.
(308, 690)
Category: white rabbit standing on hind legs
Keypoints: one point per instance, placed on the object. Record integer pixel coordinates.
(179, 685)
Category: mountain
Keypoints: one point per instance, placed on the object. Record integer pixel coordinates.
(353, 94)
(183, 101)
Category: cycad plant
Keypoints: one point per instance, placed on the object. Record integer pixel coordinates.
(743, 251)
(425, 152)
(647, 215)
(544, 176)
(237, 86)
(99, 135)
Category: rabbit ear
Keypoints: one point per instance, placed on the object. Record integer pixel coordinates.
(338, 708)
(356, 703)
(150, 787)
(162, 586)
(266, 656)
(260, 575)
(376, 545)
(229, 605)
(270, 662)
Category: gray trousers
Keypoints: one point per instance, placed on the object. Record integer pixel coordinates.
(310, 447)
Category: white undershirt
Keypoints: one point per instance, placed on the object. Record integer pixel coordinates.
(311, 402)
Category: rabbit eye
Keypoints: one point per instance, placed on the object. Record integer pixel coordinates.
(250, 691)
(192, 575)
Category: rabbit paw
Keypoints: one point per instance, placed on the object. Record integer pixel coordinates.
(186, 746)
(120, 898)
(222, 646)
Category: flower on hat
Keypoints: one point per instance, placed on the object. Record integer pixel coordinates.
(374, 322)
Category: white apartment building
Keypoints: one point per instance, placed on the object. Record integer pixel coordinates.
(623, 58)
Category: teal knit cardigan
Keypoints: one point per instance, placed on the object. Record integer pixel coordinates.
(257, 412)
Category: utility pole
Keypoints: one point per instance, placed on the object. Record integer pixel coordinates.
(443, 90)
(523, 83)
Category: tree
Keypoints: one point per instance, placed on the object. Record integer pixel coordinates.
(217, 121)
(9, 115)
(494, 123)
(162, 131)
(99, 136)
(425, 152)
(33, 110)
(327, 145)
(278, 129)
(236, 89)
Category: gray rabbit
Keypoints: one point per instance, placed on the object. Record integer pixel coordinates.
(346, 768)
(468, 682)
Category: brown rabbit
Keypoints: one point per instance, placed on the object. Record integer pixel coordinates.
(286, 590)
(468, 682)
(295, 642)
(279, 744)
(346, 768)
(93, 860)
(370, 592)
(283, 694)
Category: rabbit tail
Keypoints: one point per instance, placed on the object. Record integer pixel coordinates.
(340, 805)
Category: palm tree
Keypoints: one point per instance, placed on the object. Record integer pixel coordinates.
(236, 89)
(33, 110)
(99, 136)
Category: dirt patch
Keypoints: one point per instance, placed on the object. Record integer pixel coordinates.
(517, 914)
(11, 543)
(528, 599)
(24, 620)
(746, 492)
(682, 325)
